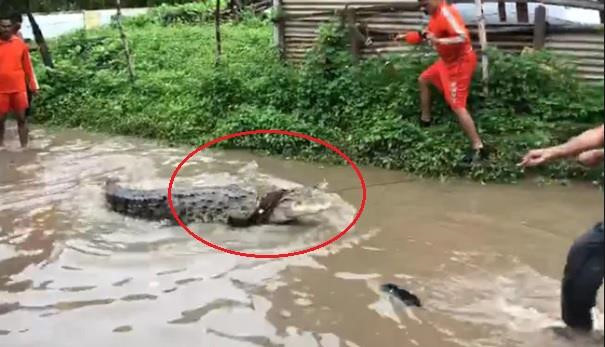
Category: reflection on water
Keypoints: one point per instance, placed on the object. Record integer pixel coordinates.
(485, 261)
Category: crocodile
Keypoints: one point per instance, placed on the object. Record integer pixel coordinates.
(231, 204)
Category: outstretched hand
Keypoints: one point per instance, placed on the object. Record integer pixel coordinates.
(586, 146)
(540, 156)
(537, 157)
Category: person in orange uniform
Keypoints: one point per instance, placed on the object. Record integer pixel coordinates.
(452, 73)
(16, 76)
(18, 20)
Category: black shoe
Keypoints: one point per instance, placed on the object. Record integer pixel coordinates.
(475, 156)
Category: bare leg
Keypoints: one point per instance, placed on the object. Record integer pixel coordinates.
(22, 125)
(425, 98)
(2, 122)
(468, 125)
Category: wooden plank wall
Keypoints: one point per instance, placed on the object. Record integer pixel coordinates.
(300, 32)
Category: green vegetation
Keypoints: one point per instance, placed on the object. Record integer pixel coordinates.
(369, 110)
(73, 5)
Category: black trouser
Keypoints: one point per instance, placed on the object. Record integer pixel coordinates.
(582, 278)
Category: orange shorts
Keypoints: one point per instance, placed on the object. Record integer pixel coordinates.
(453, 79)
(16, 102)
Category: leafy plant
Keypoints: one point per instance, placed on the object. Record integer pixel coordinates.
(369, 109)
(190, 13)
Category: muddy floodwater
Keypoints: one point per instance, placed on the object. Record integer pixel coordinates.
(485, 260)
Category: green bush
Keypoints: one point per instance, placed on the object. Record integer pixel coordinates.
(191, 13)
(539, 84)
(369, 110)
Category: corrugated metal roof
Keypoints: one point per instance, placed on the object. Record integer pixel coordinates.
(583, 49)
(300, 33)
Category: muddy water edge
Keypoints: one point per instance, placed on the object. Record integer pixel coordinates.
(486, 260)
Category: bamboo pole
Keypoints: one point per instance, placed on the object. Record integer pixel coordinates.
(279, 29)
(483, 41)
(217, 30)
(38, 36)
(354, 40)
(40, 41)
(124, 39)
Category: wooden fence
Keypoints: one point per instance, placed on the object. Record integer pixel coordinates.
(376, 21)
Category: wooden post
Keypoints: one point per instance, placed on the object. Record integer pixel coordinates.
(540, 27)
(124, 41)
(502, 10)
(355, 44)
(483, 42)
(217, 30)
(280, 29)
(522, 11)
(236, 9)
(233, 9)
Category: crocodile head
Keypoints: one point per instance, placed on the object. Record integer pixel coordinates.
(288, 205)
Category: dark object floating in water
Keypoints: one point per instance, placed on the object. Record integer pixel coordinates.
(405, 296)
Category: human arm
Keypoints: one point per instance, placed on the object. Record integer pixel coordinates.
(587, 141)
(400, 37)
(451, 40)
(30, 75)
(452, 26)
(412, 37)
(454, 40)
(591, 158)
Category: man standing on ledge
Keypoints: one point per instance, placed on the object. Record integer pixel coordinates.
(16, 75)
(583, 274)
(452, 73)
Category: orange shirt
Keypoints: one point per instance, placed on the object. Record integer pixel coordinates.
(447, 22)
(16, 71)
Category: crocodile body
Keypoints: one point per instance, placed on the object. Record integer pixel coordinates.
(230, 204)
